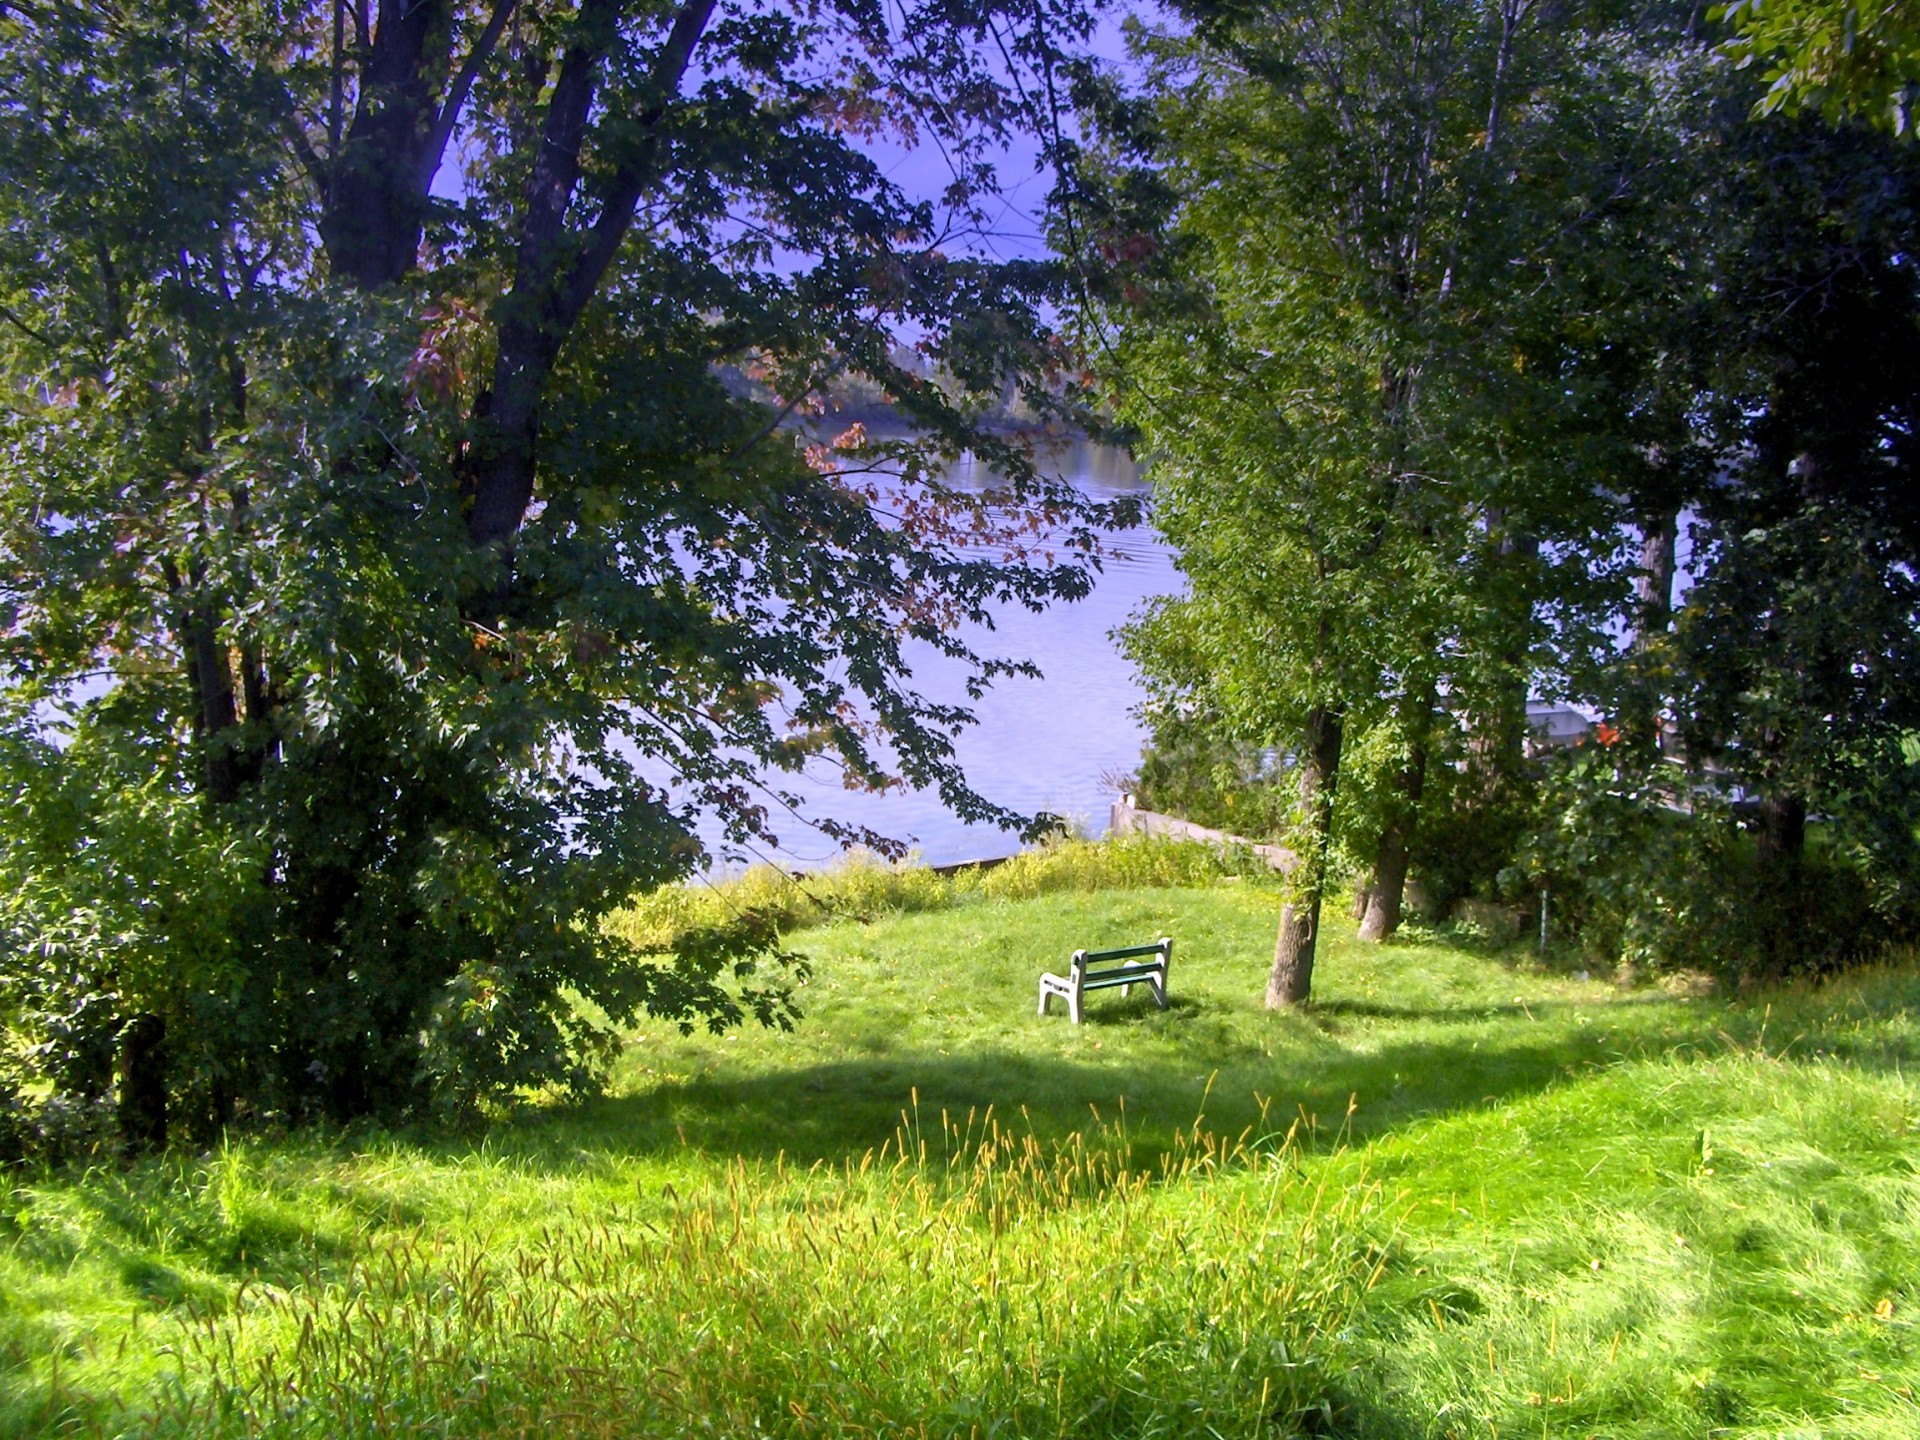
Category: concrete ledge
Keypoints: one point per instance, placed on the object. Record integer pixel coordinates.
(1127, 819)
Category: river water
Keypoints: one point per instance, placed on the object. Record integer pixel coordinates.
(1048, 744)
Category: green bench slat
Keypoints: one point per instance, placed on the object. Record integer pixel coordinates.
(1126, 954)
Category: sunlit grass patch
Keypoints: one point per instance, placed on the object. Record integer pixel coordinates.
(864, 887)
(1723, 1246)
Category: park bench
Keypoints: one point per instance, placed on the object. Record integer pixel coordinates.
(1104, 969)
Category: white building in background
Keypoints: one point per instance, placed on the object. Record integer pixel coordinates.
(1555, 727)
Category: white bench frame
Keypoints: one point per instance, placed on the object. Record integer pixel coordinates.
(1082, 977)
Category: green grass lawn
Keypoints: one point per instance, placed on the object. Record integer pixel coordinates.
(1463, 1195)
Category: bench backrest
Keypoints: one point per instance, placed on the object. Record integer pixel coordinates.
(1084, 958)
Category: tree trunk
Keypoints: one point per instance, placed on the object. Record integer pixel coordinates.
(1653, 586)
(1292, 978)
(1497, 727)
(558, 271)
(211, 676)
(142, 1109)
(1653, 612)
(374, 196)
(1782, 835)
(1386, 894)
(1291, 982)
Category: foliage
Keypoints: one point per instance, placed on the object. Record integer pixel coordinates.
(1191, 769)
(1275, 364)
(1797, 653)
(408, 523)
(1790, 665)
(1396, 343)
(1431, 347)
(1840, 57)
(1640, 867)
(1468, 840)
(1643, 866)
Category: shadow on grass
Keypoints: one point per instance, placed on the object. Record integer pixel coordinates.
(1455, 1014)
(1157, 1071)
(836, 1112)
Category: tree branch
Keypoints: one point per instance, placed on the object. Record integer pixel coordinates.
(8, 315)
(336, 80)
(616, 214)
(448, 119)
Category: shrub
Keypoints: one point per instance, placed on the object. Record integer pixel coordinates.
(863, 887)
(1188, 770)
(1639, 879)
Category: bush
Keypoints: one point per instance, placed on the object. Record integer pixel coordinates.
(1187, 770)
(1637, 879)
(1465, 841)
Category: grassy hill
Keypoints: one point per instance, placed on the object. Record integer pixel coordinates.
(1461, 1196)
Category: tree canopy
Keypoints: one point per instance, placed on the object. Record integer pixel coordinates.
(1838, 57)
(407, 468)
(1440, 323)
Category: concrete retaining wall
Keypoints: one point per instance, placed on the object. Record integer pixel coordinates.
(1126, 819)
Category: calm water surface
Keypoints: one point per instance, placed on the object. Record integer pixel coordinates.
(1041, 744)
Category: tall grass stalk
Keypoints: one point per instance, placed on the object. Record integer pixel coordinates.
(965, 1278)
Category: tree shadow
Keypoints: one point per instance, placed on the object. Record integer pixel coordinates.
(1529, 1009)
(835, 1113)
(1318, 1071)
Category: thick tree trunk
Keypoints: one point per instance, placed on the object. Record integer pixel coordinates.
(142, 1108)
(374, 195)
(501, 455)
(1781, 839)
(1653, 613)
(231, 761)
(212, 680)
(1385, 895)
(1291, 982)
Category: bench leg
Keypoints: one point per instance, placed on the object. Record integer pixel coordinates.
(1073, 1007)
(1045, 996)
(1160, 993)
